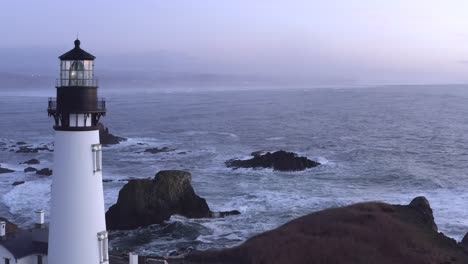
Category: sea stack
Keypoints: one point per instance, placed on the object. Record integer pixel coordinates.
(77, 232)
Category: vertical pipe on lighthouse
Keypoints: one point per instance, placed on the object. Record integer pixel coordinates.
(77, 231)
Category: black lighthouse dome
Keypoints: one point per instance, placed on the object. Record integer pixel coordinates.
(77, 106)
(77, 53)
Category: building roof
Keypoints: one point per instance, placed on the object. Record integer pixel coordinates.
(77, 53)
(22, 244)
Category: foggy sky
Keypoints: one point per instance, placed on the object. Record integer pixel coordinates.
(358, 41)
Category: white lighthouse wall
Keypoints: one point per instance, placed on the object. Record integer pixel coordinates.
(77, 207)
(5, 253)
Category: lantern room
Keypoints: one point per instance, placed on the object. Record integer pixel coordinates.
(76, 68)
(77, 106)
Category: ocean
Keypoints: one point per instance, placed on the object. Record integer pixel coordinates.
(386, 144)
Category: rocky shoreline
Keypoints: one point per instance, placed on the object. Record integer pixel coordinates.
(371, 232)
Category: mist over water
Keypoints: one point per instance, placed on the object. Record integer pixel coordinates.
(388, 144)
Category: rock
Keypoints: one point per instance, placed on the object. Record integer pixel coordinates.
(106, 180)
(44, 172)
(422, 204)
(106, 137)
(30, 169)
(32, 162)
(257, 153)
(180, 252)
(18, 183)
(5, 170)
(182, 153)
(30, 149)
(225, 213)
(158, 150)
(279, 160)
(20, 143)
(129, 179)
(464, 241)
(361, 233)
(145, 202)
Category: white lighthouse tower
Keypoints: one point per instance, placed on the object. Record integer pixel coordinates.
(77, 233)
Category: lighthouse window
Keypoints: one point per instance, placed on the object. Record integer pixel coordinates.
(103, 247)
(97, 157)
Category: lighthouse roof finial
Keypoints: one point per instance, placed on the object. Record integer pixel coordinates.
(77, 53)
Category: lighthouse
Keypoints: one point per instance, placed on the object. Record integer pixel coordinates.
(77, 230)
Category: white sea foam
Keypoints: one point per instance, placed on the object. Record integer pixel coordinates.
(194, 133)
(323, 161)
(26, 198)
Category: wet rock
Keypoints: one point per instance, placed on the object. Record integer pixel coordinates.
(18, 183)
(32, 162)
(30, 149)
(129, 179)
(30, 169)
(145, 202)
(225, 213)
(257, 153)
(5, 170)
(44, 172)
(106, 137)
(158, 150)
(279, 160)
(181, 252)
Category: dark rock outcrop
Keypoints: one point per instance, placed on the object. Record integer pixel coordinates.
(145, 202)
(30, 149)
(225, 213)
(158, 150)
(106, 137)
(44, 172)
(32, 162)
(362, 233)
(18, 183)
(464, 241)
(5, 170)
(30, 169)
(279, 160)
(426, 215)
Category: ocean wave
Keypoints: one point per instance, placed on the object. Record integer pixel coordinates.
(275, 138)
(29, 197)
(195, 133)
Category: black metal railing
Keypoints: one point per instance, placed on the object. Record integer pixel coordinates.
(52, 105)
(76, 82)
(100, 105)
